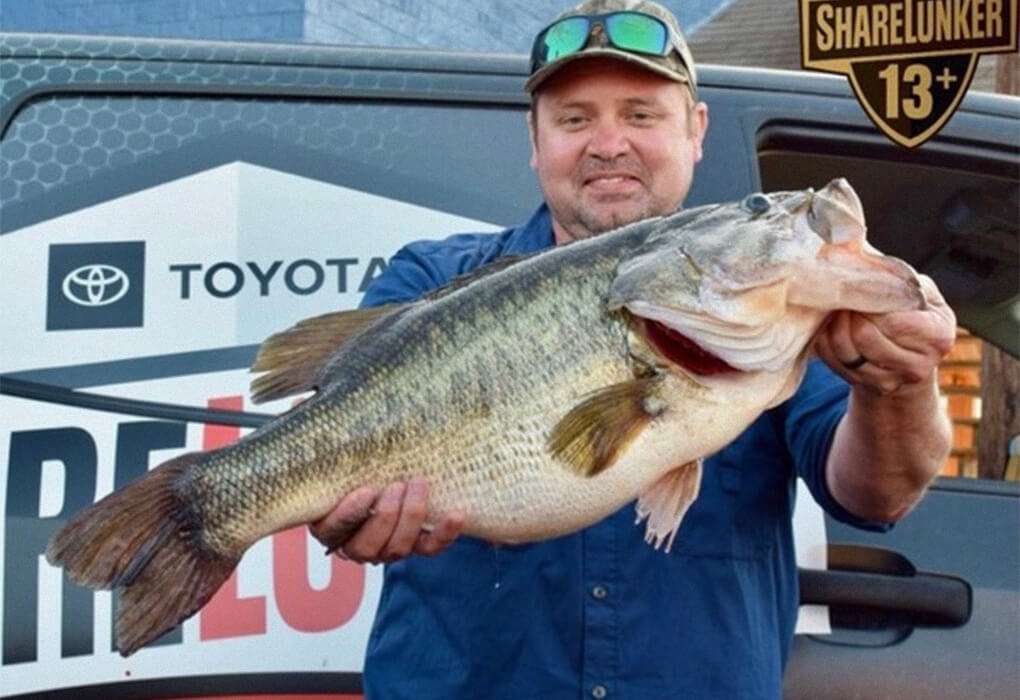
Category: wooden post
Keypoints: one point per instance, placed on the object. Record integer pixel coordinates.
(1007, 73)
(1000, 410)
(1000, 373)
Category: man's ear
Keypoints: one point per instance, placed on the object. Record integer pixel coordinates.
(698, 126)
(533, 139)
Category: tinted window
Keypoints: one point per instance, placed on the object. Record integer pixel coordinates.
(90, 148)
(950, 212)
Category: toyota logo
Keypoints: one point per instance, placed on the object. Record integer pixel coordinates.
(95, 285)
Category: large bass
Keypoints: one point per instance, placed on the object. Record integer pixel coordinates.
(537, 396)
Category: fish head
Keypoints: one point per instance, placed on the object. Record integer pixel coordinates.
(745, 285)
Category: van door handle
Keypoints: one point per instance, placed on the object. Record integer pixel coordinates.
(869, 586)
(926, 599)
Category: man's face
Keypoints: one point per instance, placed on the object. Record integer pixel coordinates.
(612, 144)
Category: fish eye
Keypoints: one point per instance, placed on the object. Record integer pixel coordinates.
(756, 203)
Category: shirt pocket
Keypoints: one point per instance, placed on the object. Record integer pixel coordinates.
(745, 494)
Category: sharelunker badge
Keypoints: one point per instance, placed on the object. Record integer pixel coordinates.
(909, 61)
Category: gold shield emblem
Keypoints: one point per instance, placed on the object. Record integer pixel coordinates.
(909, 62)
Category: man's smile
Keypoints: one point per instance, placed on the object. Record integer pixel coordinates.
(612, 183)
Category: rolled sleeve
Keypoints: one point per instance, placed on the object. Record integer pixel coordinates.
(810, 426)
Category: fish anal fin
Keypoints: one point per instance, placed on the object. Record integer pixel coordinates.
(144, 539)
(591, 435)
(339, 531)
(664, 504)
(292, 359)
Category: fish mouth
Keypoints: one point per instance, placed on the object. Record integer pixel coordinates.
(704, 345)
(836, 214)
(681, 350)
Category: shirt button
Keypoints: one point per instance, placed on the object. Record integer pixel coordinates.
(600, 593)
(599, 692)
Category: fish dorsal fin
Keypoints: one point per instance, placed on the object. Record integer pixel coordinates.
(665, 503)
(461, 281)
(591, 435)
(292, 359)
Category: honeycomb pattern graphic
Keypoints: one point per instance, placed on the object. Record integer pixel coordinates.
(59, 128)
(60, 141)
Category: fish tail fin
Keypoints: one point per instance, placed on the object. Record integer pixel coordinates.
(145, 538)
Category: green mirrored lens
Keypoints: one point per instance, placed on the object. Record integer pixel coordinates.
(633, 32)
(565, 37)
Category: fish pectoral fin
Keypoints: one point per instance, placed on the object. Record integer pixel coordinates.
(591, 435)
(665, 503)
(292, 359)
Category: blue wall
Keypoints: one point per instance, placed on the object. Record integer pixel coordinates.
(495, 25)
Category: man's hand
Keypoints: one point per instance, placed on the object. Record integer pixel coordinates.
(889, 352)
(895, 436)
(371, 526)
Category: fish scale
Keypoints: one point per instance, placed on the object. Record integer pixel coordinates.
(532, 395)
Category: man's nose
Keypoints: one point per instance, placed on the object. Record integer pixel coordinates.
(608, 141)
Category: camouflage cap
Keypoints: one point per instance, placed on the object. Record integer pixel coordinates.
(677, 65)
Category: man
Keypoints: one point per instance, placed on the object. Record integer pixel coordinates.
(616, 129)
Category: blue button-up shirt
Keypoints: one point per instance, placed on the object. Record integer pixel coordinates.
(599, 613)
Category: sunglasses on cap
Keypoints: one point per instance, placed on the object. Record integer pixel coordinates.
(634, 32)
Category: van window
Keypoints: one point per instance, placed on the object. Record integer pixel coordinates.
(950, 211)
(88, 148)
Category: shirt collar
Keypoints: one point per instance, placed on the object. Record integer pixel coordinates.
(535, 234)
